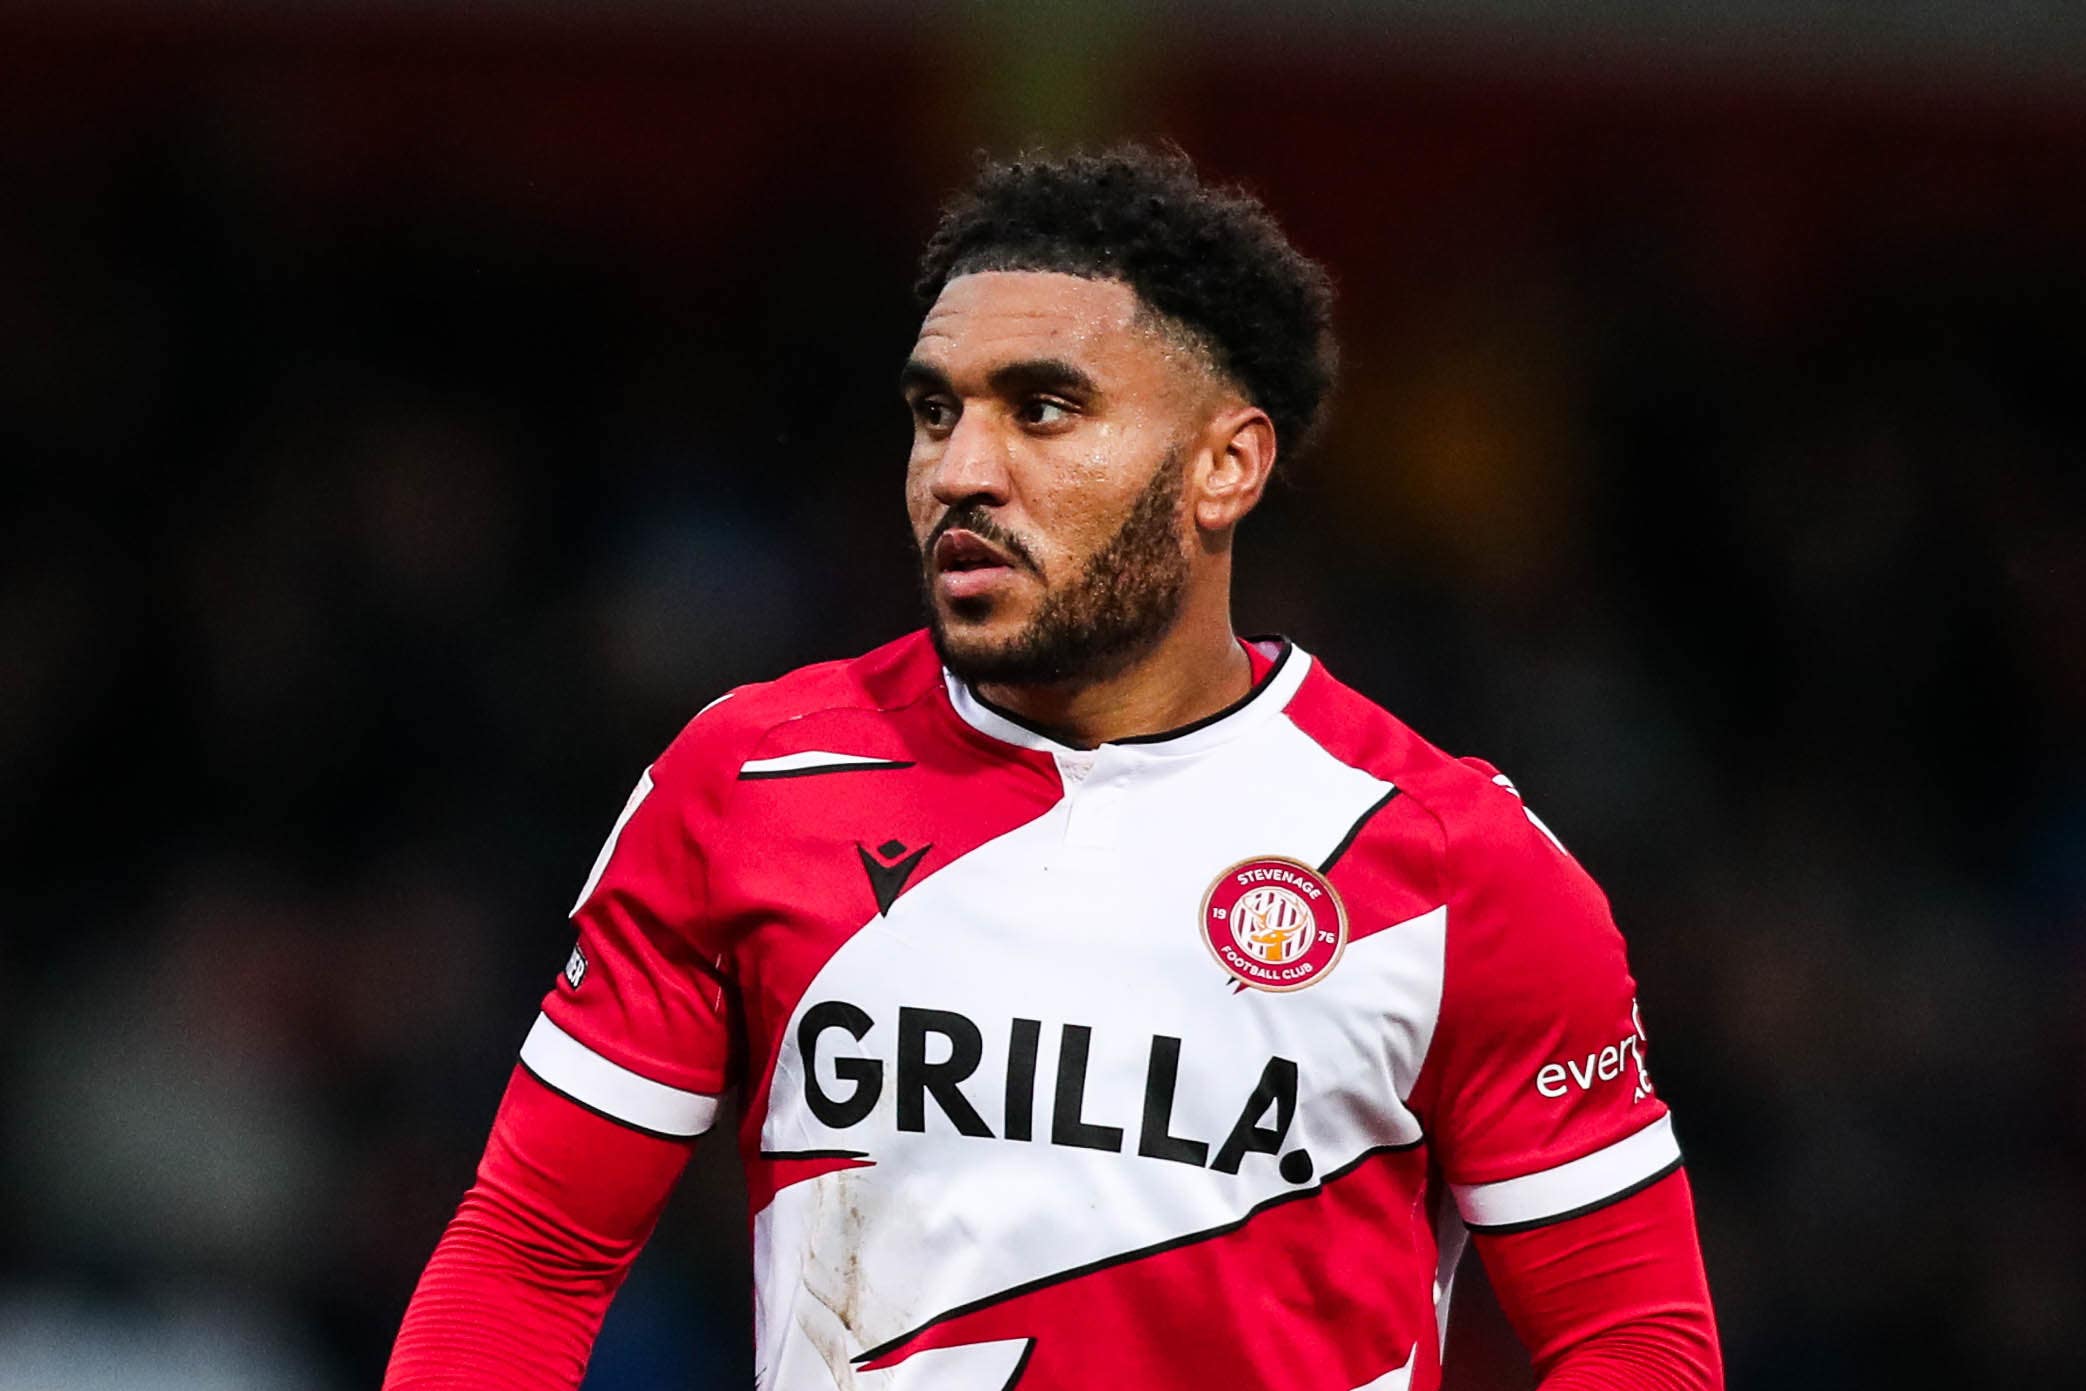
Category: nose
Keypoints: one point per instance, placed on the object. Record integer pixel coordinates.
(973, 464)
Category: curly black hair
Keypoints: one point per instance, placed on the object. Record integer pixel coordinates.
(1209, 259)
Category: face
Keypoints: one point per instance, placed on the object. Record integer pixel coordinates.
(1053, 428)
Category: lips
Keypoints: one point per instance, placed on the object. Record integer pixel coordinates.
(968, 567)
(960, 551)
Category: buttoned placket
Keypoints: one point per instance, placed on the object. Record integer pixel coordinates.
(1096, 788)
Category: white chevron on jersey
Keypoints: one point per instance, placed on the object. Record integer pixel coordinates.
(1086, 916)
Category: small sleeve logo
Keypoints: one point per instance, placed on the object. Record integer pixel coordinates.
(1562, 1076)
(575, 968)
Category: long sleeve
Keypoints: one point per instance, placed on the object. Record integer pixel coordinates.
(622, 1069)
(1560, 1156)
(1615, 1299)
(515, 1291)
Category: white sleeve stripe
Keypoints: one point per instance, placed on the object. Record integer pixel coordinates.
(1571, 1187)
(563, 1063)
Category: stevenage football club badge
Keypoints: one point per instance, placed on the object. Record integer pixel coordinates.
(1273, 923)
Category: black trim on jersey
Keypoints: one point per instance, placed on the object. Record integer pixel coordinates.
(818, 769)
(1165, 734)
(1505, 1228)
(551, 1086)
(814, 1154)
(1173, 1243)
(1347, 841)
(1010, 717)
(1228, 711)
(1021, 1365)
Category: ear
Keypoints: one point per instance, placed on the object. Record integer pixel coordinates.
(1236, 463)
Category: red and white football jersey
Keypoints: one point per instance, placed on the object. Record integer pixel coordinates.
(1180, 1062)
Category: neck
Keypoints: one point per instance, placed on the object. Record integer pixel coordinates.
(1196, 670)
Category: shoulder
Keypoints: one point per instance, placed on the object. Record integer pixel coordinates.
(1478, 829)
(849, 702)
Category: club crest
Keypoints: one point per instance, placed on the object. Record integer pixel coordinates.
(1274, 923)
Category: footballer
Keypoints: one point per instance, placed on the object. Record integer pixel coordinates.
(1108, 999)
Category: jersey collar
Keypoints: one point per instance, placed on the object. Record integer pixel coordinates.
(1270, 694)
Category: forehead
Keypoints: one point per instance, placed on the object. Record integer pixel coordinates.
(990, 318)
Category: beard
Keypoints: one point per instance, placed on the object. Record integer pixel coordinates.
(1124, 599)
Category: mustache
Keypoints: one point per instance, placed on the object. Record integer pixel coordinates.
(971, 517)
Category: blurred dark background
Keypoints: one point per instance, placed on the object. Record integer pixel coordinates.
(414, 413)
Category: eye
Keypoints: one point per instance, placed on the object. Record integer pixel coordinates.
(1042, 411)
(933, 413)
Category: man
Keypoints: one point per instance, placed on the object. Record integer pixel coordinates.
(1111, 1001)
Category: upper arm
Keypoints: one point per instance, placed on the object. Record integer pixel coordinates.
(639, 1025)
(1536, 1094)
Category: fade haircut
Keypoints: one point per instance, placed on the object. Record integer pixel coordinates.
(1208, 260)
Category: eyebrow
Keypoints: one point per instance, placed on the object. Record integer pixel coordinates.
(1009, 379)
(919, 376)
(1040, 374)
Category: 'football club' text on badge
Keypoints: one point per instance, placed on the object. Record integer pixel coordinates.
(1274, 923)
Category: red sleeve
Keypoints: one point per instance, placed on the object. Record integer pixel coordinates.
(624, 1065)
(516, 1289)
(1539, 1104)
(1535, 1092)
(639, 1025)
(1615, 1300)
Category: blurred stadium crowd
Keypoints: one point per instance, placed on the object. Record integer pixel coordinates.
(413, 427)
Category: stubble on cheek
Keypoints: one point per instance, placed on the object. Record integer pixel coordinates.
(1124, 597)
